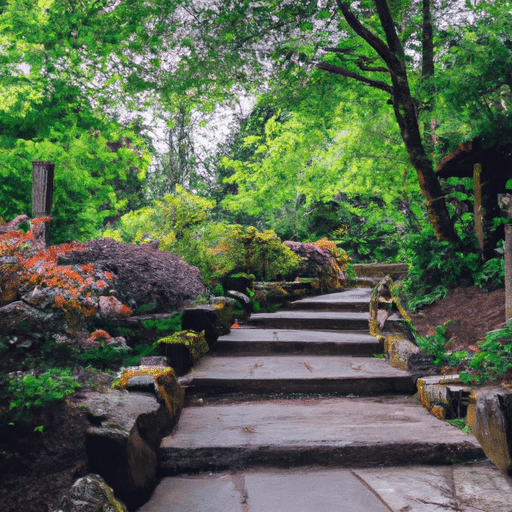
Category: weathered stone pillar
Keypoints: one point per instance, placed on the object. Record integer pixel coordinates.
(505, 202)
(42, 188)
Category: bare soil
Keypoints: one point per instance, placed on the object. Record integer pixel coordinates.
(473, 312)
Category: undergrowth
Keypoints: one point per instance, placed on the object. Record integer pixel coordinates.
(29, 391)
(436, 266)
(487, 361)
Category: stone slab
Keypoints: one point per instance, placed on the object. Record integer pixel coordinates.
(285, 341)
(355, 299)
(380, 269)
(476, 487)
(417, 488)
(482, 487)
(296, 374)
(307, 491)
(195, 494)
(317, 320)
(341, 432)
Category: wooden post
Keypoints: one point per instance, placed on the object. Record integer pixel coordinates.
(479, 221)
(508, 271)
(42, 197)
(42, 188)
(505, 203)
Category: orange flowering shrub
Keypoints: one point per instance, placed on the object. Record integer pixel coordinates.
(87, 268)
(23, 267)
(125, 311)
(100, 335)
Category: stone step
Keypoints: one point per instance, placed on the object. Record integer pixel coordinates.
(334, 432)
(313, 320)
(394, 270)
(415, 488)
(246, 342)
(214, 375)
(355, 299)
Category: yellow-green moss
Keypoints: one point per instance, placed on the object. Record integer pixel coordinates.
(194, 341)
(165, 380)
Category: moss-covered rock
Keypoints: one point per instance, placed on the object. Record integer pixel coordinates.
(90, 494)
(183, 349)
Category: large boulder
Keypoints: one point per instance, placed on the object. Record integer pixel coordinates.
(319, 262)
(22, 324)
(125, 434)
(490, 419)
(143, 274)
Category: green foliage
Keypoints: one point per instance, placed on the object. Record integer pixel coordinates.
(142, 350)
(288, 174)
(104, 357)
(492, 274)
(92, 183)
(145, 308)
(28, 391)
(182, 224)
(476, 59)
(436, 346)
(461, 424)
(494, 358)
(57, 76)
(172, 323)
(366, 227)
(435, 266)
(261, 254)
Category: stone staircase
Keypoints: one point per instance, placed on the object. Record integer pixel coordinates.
(297, 397)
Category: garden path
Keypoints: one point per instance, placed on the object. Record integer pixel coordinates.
(294, 413)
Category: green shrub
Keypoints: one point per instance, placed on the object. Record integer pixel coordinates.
(494, 358)
(491, 275)
(436, 266)
(262, 254)
(28, 391)
(172, 323)
(104, 357)
(435, 345)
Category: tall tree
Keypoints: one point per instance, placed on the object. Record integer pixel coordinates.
(370, 42)
(390, 50)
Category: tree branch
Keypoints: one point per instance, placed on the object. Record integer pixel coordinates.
(336, 70)
(375, 42)
(363, 67)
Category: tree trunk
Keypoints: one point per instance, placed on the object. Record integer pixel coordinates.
(392, 53)
(405, 114)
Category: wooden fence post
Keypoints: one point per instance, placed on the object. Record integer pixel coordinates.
(42, 188)
(42, 196)
(479, 221)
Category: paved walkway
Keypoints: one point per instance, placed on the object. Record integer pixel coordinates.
(285, 418)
